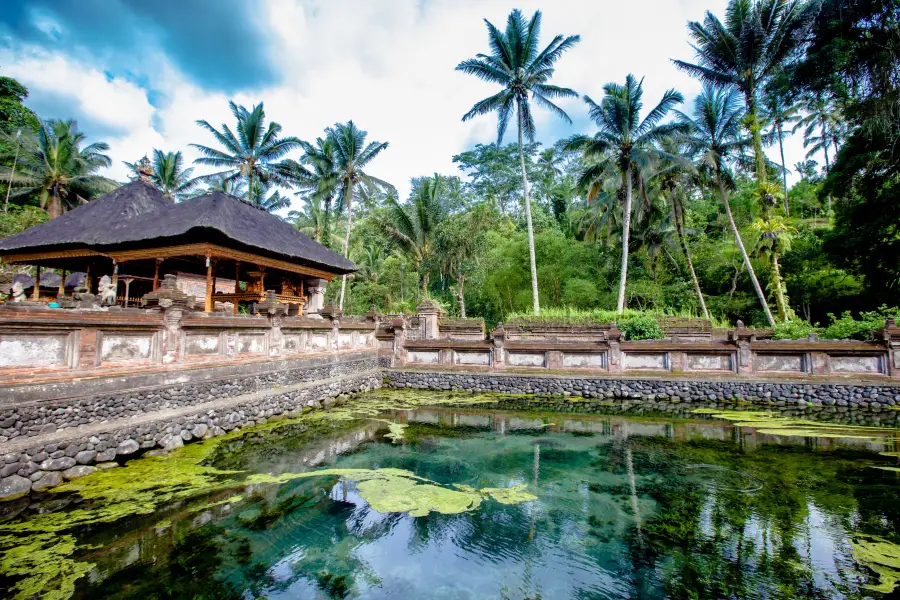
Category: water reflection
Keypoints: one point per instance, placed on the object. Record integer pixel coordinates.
(681, 506)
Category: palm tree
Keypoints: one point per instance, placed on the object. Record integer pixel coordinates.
(821, 114)
(715, 133)
(751, 46)
(351, 156)
(312, 221)
(322, 179)
(775, 237)
(673, 176)
(236, 188)
(169, 175)
(625, 142)
(255, 155)
(516, 64)
(258, 195)
(780, 112)
(412, 226)
(54, 166)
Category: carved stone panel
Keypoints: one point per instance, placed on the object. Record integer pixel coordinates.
(251, 343)
(856, 364)
(318, 342)
(429, 357)
(473, 357)
(345, 340)
(292, 343)
(653, 361)
(116, 347)
(27, 350)
(584, 360)
(709, 362)
(200, 344)
(780, 363)
(526, 359)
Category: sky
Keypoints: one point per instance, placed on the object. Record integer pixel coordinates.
(138, 74)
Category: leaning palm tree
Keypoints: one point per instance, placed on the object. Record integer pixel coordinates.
(715, 133)
(351, 156)
(55, 167)
(624, 141)
(516, 64)
(775, 237)
(254, 155)
(413, 226)
(169, 175)
(753, 44)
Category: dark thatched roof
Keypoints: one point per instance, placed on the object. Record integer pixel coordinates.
(96, 223)
(138, 215)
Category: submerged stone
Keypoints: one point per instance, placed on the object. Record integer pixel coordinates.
(13, 487)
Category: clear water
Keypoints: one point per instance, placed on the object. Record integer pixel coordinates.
(626, 507)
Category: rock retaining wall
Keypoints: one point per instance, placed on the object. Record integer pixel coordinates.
(180, 414)
(788, 393)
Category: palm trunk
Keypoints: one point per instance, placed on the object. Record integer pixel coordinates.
(780, 300)
(326, 221)
(687, 254)
(460, 295)
(787, 206)
(756, 137)
(534, 280)
(626, 230)
(348, 194)
(825, 150)
(740, 243)
(425, 285)
(55, 208)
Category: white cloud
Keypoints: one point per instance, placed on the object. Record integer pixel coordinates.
(389, 66)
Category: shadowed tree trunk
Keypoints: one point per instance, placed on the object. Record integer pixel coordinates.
(676, 206)
(740, 243)
(626, 230)
(787, 206)
(534, 280)
(348, 194)
(460, 295)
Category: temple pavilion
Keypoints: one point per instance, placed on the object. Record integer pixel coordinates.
(135, 235)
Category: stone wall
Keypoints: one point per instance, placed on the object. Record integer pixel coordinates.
(876, 397)
(51, 441)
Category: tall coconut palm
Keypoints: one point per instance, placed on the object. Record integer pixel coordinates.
(758, 36)
(780, 112)
(516, 64)
(624, 141)
(169, 175)
(312, 221)
(715, 133)
(255, 154)
(822, 126)
(54, 166)
(321, 180)
(413, 226)
(673, 175)
(351, 156)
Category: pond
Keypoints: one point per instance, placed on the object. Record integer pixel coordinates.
(423, 495)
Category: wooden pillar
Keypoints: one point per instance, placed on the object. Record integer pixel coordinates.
(209, 273)
(237, 284)
(36, 293)
(62, 286)
(214, 285)
(115, 280)
(302, 305)
(87, 278)
(156, 274)
(127, 290)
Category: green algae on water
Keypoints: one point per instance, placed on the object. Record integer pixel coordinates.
(772, 423)
(880, 556)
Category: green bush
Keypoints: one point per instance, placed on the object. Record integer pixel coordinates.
(846, 327)
(641, 328)
(794, 330)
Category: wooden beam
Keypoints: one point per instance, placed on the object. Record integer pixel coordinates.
(35, 256)
(36, 293)
(220, 252)
(209, 306)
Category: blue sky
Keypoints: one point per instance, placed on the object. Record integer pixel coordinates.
(138, 74)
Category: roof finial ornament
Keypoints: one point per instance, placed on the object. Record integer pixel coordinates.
(145, 171)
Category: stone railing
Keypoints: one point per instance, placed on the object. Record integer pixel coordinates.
(34, 338)
(601, 349)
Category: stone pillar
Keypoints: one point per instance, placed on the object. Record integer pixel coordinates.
(399, 354)
(892, 340)
(431, 312)
(615, 360)
(173, 302)
(316, 293)
(275, 311)
(741, 337)
(498, 339)
(333, 313)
